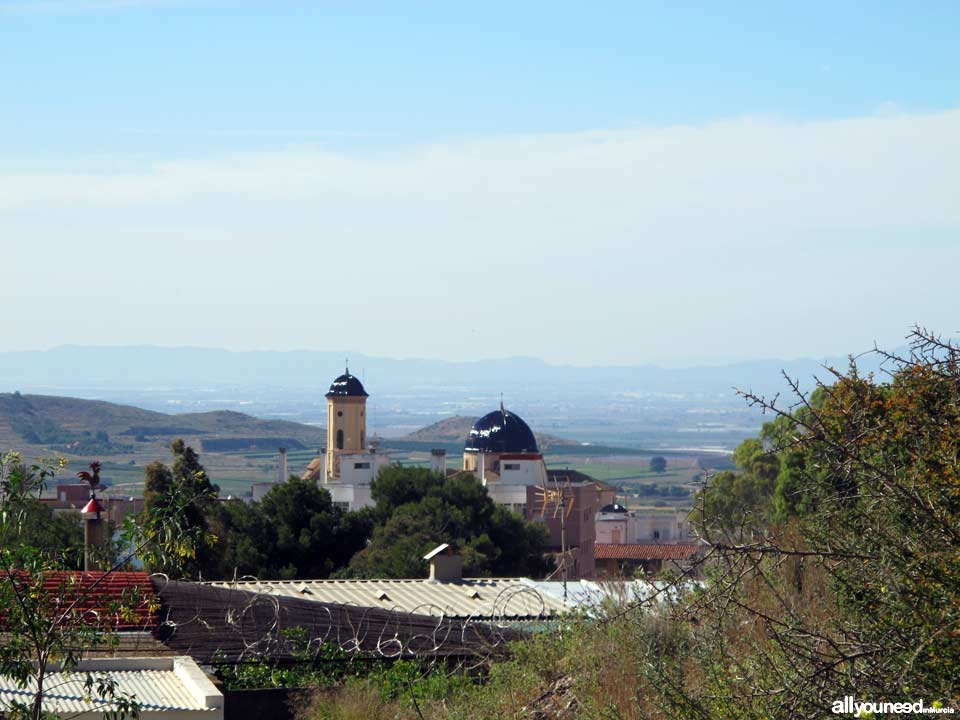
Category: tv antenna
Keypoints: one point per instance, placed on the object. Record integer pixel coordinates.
(558, 496)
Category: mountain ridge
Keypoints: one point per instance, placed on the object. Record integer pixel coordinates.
(145, 366)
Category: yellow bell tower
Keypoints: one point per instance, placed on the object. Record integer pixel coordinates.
(346, 421)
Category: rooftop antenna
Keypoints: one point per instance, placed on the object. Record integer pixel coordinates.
(502, 410)
(561, 498)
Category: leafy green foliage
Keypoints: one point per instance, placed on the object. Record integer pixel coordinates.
(314, 665)
(418, 510)
(186, 493)
(840, 546)
(293, 532)
(56, 536)
(658, 464)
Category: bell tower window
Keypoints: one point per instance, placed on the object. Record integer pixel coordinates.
(339, 439)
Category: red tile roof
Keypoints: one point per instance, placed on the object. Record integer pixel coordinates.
(120, 601)
(644, 551)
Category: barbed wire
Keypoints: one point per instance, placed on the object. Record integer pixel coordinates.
(227, 625)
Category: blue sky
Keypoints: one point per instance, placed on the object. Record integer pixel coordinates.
(589, 182)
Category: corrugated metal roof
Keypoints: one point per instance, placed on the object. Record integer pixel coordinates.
(220, 624)
(486, 598)
(644, 551)
(594, 594)
(156, 690)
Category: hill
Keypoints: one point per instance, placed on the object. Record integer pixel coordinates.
(80, 427)
(455, 429)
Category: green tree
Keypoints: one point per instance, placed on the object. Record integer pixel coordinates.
(851, 584)
(58, 536)
(658, 464)
(293, 532)
(418, 509)
(164, 488)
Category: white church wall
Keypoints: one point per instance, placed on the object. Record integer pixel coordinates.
(522, 472)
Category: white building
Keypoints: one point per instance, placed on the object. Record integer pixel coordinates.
(617, 525)
(166, 688)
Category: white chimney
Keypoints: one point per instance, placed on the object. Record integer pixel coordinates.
(438, 461)
(282, 469)
(322, 475)
(445, 564)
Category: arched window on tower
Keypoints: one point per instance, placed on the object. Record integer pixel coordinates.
(339, 439)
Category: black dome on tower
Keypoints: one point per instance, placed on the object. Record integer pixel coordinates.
(346, 386)
(501, 432)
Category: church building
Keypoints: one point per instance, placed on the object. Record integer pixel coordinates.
(502, 452)
(349, 466)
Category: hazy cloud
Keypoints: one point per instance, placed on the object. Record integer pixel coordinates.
(749, 237)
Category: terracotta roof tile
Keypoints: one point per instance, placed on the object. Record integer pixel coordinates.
(120, 601)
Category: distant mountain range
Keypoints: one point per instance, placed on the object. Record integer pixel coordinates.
(151, 367)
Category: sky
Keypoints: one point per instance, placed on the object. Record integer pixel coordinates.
(588, 183)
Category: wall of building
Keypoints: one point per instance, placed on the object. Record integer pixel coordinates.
(516, 470)
(579, 521)
(361, 468)
(350, 496)
(513, 497)
(642, 528)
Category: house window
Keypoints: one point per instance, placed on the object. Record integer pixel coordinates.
(511, 466)
(341, 505)
(656, 534)
(339, 439)
(361, 466)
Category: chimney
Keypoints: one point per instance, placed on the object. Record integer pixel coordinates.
(438, 461)
(445, 564)
(94, 533)
(282, 470)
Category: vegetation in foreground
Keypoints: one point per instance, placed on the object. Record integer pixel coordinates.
(835, 571)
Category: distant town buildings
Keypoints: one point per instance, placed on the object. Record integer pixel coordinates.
(580, 513)
(616, 524)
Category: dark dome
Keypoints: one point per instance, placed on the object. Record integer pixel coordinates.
(501, 432)
(346, 386)
(614, 508)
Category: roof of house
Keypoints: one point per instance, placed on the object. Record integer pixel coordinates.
(575, 477)
(593, 594)
(219, 624)
(313, 468)
(170, 684)
(644, 551)
(492, 599)
(122, 601)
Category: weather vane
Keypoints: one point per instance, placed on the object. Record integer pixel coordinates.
(91, 477)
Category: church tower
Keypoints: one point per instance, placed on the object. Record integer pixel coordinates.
(346, 421)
